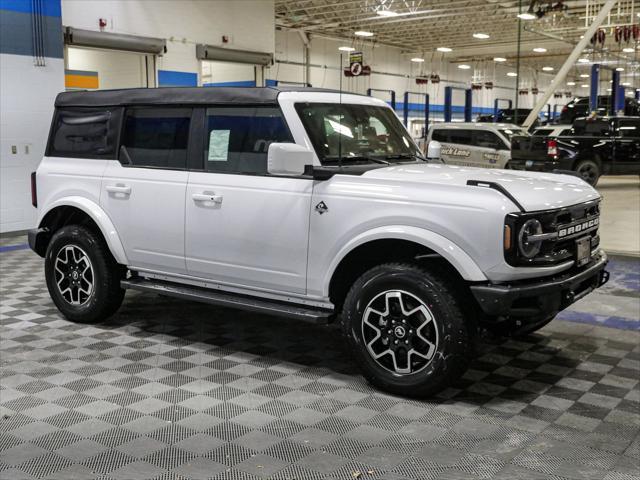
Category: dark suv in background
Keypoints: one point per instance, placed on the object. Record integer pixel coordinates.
(579, 107)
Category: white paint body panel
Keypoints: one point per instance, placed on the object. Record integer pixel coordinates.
(257, 236)
(150, 218)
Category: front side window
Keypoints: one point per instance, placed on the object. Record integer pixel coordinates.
(238, 138)
(85, 132)
(486, 139)
(440, 135)
(156, 137)
(356, 133)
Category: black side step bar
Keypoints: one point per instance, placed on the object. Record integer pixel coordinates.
(224, 299)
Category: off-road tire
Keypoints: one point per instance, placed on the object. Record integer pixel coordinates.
(457, 331)
(589, 171)
(106, 296)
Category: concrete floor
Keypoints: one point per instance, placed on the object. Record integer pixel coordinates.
(620, 220)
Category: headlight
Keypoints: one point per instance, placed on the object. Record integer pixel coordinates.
(529, 249)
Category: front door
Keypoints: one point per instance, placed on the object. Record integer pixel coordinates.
(627, 147)
(489, 150)
(144, 192)
(245, 228)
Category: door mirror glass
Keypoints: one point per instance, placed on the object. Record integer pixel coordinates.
(288, 159)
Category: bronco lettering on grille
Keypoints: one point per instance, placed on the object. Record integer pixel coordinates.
(566, 231)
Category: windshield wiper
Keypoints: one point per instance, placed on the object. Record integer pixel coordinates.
(405, 156)
(360, 158)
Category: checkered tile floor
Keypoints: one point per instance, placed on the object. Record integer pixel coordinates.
(175, 390)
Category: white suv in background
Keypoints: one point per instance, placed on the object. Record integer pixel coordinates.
(309, 204)
(485, 145)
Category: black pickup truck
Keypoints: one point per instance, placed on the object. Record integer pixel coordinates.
(594, 147)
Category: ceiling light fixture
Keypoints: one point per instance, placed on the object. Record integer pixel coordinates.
(540, 49)
(619, 69)
(363, 33)
(584, 86)
(584, 75)
(444, 49)
(626, 84)
(499, 59)
(417, 60)
(464, 67)
(387, 13)
(512, 74)
(583, 60)
(481, 36)
(346, 49)
(547, 69)
(628, 50)
(571, 84)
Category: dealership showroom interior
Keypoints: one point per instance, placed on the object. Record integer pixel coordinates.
(449, 287)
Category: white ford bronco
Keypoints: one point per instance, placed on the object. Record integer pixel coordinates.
(309, 204)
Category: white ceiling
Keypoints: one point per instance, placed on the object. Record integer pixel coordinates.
(420, 26)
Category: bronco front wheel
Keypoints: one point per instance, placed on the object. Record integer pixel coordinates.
(406, 329)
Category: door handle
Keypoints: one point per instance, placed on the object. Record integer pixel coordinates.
(124, 189)
(207, 197)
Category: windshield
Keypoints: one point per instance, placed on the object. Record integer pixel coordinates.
(510, 132)
(356, 133)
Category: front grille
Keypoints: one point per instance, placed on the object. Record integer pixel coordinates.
(570, 223)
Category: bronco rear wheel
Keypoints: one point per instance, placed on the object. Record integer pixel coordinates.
(406, 329)
(82, 276)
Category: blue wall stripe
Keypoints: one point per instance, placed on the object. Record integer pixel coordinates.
(50, 8)
(11, 248)
(172, 78)
(16, 34)
(240, 83)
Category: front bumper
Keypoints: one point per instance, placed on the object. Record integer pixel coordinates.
(534, 301)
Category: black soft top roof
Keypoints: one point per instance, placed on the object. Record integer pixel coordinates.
(178, 96)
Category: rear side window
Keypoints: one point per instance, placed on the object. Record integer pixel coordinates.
(238, 138)
(156, 137)
(592, 128)
(460, 137)
(543, 132)
(486, 139)
(85, 132)
(439, 135)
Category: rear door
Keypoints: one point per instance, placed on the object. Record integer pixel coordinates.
(456, 146)
(627, 146)
(144, 191)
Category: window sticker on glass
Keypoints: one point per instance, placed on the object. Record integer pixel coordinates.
(218, 145)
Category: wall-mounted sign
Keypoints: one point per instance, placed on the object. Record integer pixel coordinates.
(356, 61)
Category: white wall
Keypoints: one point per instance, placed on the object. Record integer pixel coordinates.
(248, 23)
(26, 96)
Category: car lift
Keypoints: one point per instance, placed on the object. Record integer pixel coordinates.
(392, 93)
(405, 110)
(496, 103)
(448, 100)
(617, 90)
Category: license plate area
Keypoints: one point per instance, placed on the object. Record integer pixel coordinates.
(583, 251)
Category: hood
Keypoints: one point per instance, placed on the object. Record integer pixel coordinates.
(532, 190)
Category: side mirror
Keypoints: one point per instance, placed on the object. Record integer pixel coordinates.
(433, 149)
(288, 159)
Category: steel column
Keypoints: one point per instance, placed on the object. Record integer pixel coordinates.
(448, 99)
(405, 109)
(593, 92)
(468, 104)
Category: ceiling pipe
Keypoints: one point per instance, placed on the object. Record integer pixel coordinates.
(569, 62)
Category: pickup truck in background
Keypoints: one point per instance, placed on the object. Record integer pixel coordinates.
(593, 147)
